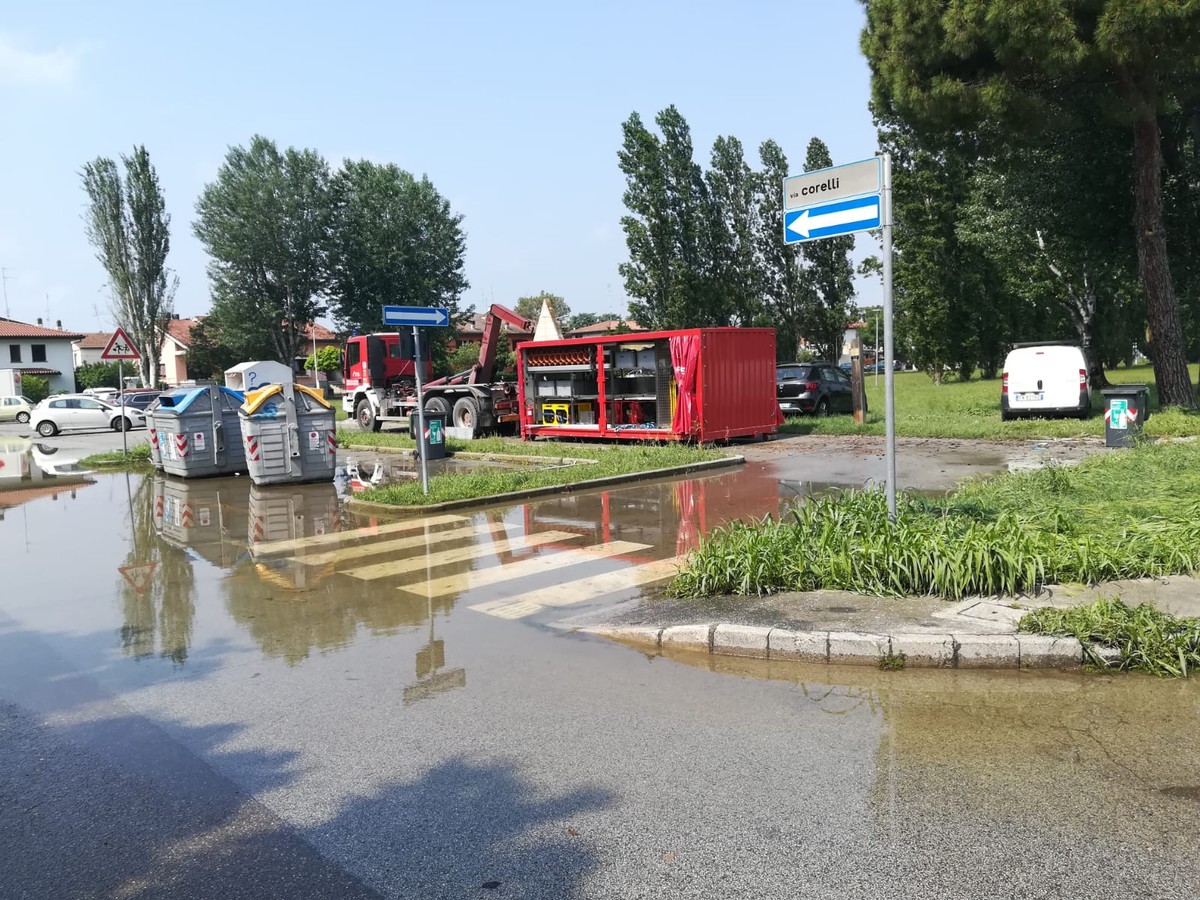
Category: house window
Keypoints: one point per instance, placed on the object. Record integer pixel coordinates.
(37, 352)
(14, 352)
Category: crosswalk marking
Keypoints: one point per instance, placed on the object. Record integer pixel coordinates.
(283, 548)
(374, 548)
(537, 565)
(579, 591)
(460, 554)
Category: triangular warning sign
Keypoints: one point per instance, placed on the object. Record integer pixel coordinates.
(138, 576)
(119, 346)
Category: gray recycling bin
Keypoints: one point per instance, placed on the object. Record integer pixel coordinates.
(1126, 409)
(197, 431)
(289, 435)
(152, 433)
(434, 439)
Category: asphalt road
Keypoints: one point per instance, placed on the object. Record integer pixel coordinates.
(241, 729)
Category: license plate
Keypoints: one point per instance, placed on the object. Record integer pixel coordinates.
(1031, 396)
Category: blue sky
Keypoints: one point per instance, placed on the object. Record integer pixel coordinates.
(514, 110)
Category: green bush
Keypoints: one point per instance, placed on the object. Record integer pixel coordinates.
(98, 374)
(35, 388)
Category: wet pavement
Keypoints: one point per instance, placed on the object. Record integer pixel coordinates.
(212, 689)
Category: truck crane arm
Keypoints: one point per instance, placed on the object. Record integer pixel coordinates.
(484, 369)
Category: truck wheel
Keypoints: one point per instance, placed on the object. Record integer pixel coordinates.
(364, 413)
(439, 406)
(466, 414)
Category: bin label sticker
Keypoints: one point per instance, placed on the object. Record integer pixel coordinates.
(1119, 414)
(319, 525)
(435, 431)
(205, 516)
(198, 439)
(314, 440)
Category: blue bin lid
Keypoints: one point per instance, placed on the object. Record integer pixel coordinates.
(178, 400)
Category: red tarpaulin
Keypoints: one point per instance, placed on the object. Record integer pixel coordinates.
(685, 354)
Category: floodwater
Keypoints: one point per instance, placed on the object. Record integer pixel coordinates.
(374, 688)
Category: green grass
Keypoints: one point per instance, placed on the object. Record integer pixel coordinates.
(1127, 515)
(1148, 640)
(971, 409)
(604, 461)
(138, 458)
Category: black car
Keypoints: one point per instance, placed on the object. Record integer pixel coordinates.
(817, 388)
(137, 399)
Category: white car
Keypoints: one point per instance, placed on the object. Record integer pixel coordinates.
(75, 412)
(15, 409)
(1045, 379)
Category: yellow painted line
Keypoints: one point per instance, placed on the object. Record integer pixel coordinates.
(584, 589)
(374, 548)
(287, 548)
(457, 555)
(538, 565)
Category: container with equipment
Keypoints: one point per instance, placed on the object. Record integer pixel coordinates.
(197, 431)
(698, 384)
(288, 434)
(1126, 409)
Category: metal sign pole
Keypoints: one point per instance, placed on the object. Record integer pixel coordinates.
(421, 446)
(889, 375)
(121, 409)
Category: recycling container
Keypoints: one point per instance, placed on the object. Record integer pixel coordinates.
(203, 516)
(197, 431)
(290, 513)
(288, 434)
(433, 444)
(152, 434)
(1126, 409)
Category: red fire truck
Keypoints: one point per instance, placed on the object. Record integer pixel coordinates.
(379, 373)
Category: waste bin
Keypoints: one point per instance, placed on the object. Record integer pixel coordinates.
(203, 516)
(1126, 409)
(197, 431)
(289, 435)
(152, 435)
(434, 443)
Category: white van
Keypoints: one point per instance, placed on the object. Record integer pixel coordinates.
(1045, 379)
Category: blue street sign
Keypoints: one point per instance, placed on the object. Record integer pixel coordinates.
(831, 219)
(426, 316)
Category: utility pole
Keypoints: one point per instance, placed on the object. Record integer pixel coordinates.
(4, 282)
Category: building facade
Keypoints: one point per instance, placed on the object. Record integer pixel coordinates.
(37, 350)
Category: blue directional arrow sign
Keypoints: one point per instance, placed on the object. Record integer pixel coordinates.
(420, 316)
(831, 219)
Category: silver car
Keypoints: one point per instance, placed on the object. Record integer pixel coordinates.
(78, 412)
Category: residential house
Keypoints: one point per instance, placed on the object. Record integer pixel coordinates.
(89, 347)
(173, 363)
(608, 326)
(471, 332)
(173, 359)
(37, 350)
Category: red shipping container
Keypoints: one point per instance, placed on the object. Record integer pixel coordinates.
(696, 384)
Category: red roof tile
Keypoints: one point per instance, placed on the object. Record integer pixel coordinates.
(474, 325)
(11, 328)
(181, 331)
(95, 340)
(33, 371)
(323, 333)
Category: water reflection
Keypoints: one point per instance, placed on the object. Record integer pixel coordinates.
(158, 584)
(32, 471)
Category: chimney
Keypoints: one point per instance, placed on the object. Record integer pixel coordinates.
(58, 324)
(39, 320)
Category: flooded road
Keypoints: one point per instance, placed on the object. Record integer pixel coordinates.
(210, 689)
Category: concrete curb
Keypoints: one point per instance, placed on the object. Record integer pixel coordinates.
(548, 490)
(852, 648)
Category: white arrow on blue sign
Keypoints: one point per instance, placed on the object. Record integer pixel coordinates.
(427, 316)
(831, 219)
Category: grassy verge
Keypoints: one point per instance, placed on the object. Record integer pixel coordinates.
(497, 445)
(971, 410)
(609, 461)
(1127, 515)
(138, 458)
(1148, 640)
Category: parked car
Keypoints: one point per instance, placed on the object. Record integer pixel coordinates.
(15, 409)
(107, 394)
(1045, 379)
(818, 388)
(137, 399)
(75, 412)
